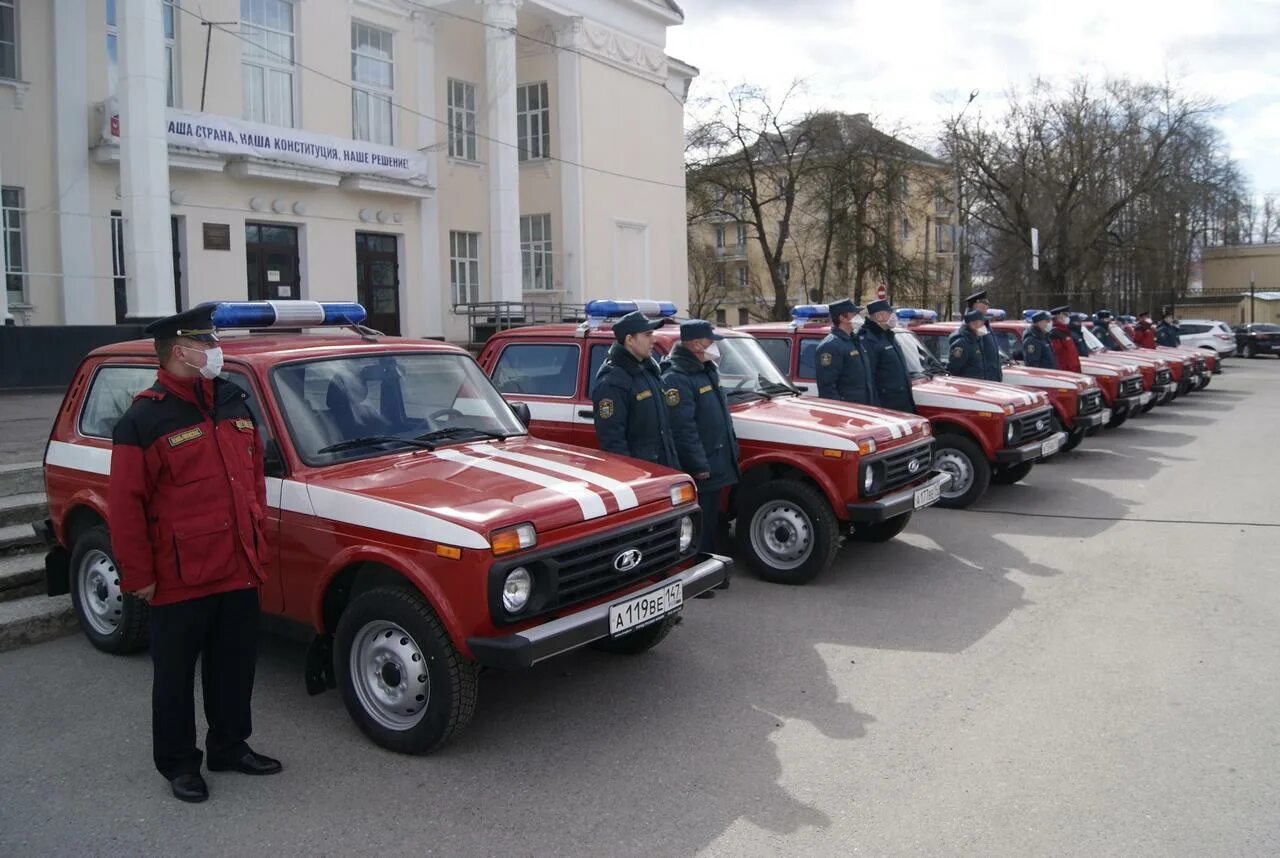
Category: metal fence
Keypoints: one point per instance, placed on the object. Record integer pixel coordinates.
(486, 318)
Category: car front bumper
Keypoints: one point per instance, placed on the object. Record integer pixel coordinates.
(1088, 421)
(896, 504)
(555, 637)
(1028, 452)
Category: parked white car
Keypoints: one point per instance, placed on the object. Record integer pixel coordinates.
(1208, 334)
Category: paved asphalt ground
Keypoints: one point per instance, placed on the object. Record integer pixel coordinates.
(1038, 677)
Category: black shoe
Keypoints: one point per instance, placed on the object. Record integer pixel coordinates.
(248, 764)
(190, 788)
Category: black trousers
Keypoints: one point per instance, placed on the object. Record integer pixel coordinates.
(709, 503)
(222, 632)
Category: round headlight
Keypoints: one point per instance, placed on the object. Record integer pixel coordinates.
(516, 590)
(686, 533)
(869, 480)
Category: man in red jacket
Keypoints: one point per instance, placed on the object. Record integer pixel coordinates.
(1144, 333)
(186, 506)
(1064, 348)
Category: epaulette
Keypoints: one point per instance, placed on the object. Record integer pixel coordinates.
(152, 393)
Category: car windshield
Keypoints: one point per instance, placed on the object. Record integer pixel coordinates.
(344, 408)
(1121, 337)
(917, 358)
(1091, 340)
(745, 369)
(1266, 329)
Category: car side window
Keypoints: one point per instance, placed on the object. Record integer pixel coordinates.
(808, 367)
(538, 369)
(599, 352)
(274, 468)
(778, 350)
(1195, 329)
(110, 394)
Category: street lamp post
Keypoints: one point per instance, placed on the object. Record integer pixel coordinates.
(958, 244)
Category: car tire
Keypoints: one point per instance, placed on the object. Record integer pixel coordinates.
(879, 531)
(1074, 436)
(112, 620)
(970, 471)
(638, 641)
(1007, 475)
(1117, 419)
(382, 637)
(787, 531)
(1249, 350)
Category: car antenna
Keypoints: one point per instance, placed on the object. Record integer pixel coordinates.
(369, 335)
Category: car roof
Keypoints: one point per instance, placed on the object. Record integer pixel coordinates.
(666, 335)
(267, 349)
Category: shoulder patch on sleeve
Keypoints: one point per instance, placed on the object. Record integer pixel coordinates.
(186, 435)
(672, 395)
(825, 359)
(605, 409)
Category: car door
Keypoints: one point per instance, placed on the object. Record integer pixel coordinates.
(544, 376)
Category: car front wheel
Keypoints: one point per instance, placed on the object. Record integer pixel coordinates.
(786, 531)
(403, 682)
(113, 620)
(970, 471)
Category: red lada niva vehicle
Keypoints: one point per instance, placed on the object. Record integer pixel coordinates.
(414, 526)
(984, 432)
(810, 470)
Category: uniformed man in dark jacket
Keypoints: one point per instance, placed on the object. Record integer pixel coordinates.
(992, 363)
(890, 380)
(1167, 332)
(966, 358)
(187, 453)
(700, 421)
(1036, 348)
(1102, 329)
(1076, 325)
(630, 413)
(841, 369)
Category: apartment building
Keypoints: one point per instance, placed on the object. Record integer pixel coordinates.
(418, 156)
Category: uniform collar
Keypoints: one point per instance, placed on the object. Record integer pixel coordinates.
(620, 357)
(836, 331)
(686, 360)
(198, 391)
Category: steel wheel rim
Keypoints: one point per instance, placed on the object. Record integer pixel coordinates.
(956, 464)
(782, 534)
(101, 599)
(390, 675)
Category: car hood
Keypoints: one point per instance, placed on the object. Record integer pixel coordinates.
(967, 394)
(811, 422)
(1106, 365)
(1049, 379)
(463, 492)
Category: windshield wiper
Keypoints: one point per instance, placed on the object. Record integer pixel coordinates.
(373, 441)
(778, 388)
(454, 431)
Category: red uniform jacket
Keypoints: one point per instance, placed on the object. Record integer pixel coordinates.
(1144, 335)
(187, 498)
(1064, 348)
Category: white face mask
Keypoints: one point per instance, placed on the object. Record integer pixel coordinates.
(858, 322)
(982, 332)
(212, 363)
(712, 353)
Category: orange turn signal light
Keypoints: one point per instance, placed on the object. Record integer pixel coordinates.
(449, 552)
(682, 493)
(836, 454)
(512, 539)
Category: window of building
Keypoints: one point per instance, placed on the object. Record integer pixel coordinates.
(11, 221)
(906, 228)
(110, 394)
(464, 266)
(9, 39)
(720, 316)
(903, 186)
(742, 277)
(719, 278)
(742, 234)
(939, 199)
(535, 253)
(533, 121)
(943, 237)
(170, 50)
(462, 120)
(373, 71)
(541, 369)
(719, 235)
(267, 60)
(743, 316)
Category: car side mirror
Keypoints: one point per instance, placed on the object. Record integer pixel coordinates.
(272, 459)
(522, 413)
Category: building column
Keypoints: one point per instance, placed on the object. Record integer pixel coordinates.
(144, 160)
(432, 300)
(569, 140)
(504, 163)
(85, 301)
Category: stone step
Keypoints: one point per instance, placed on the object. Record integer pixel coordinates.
(15, 538)
(24, 508)
(21, 575)
(34, 619)
(20, 478)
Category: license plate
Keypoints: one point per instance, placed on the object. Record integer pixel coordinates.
(928, 496)
(1106, 415)
(1048, 448)
(644, 609)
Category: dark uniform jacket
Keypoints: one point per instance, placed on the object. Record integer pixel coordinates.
(631, 413)
(1065, 350)
(1037, 350)
(841, 369)
(1077, 335)
(991, 360)
(966, 357)
(187, 499)
(700, 420)
(887, 368)
(1168, 335)
(1103, 333)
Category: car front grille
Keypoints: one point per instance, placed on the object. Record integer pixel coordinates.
(897, 467)
(1033, 426)
(1164, 376)
(1090, 403)
(1200, 365)
(1131, 386)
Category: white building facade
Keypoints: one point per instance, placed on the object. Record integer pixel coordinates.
(415, 156)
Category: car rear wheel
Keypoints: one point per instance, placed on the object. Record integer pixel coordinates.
(787, 532)
(1249, 350)
(879, 531)
(113, 620)
(1118, 417)
(970, 471)
(1007, 475)
(403, 682)
(638, 641)
(1074, 436)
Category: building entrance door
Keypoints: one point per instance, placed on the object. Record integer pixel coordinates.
(378, 281)
(271, 260)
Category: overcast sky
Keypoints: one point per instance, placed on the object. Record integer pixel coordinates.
(912, 63)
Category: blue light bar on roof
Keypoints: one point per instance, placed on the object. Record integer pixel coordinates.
(996, 315)
(912, 314)
(1128, 320)
(809, 312)
(604, 308)
(286, 314)
(1027, 314)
